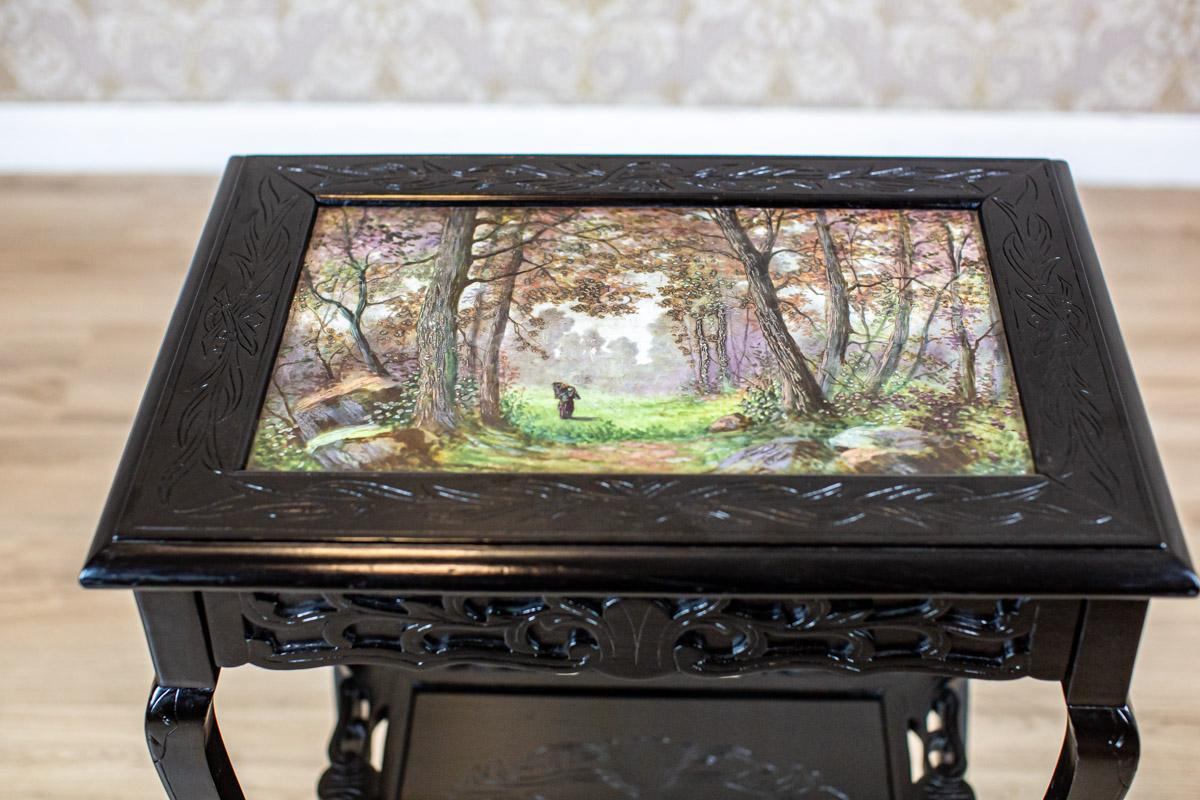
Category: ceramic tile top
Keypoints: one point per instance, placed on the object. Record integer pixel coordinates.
(637, 339)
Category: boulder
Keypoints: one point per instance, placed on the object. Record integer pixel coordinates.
(343, 404)
(730, 422)
(404, 448)
(877, 461)
(883, 437)
(786, 454)
(885, 461)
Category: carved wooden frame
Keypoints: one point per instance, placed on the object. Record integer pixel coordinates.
(1098, 501)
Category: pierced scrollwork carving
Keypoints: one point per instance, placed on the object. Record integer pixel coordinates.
(945, 749)
(640, 638)
(350, 775)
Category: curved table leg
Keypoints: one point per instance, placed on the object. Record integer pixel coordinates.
(185, 744)
(1100, 753)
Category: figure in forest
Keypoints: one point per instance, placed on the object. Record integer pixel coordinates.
(567, 396)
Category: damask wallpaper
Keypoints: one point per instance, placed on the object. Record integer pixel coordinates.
(1109, 55)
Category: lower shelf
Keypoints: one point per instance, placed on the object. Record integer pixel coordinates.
(533, 746)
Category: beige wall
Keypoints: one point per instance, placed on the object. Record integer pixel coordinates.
(1107, 55)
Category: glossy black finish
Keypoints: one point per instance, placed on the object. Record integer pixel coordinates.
(181, 725)
(498, 736)
(644, 585)
(640, 570)
(633, 638)
(1095, 520)
(186, 747)
(1101, 750)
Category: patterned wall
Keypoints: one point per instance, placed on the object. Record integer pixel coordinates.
(1141, 55)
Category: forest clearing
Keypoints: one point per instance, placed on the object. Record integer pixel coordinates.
(643, 340)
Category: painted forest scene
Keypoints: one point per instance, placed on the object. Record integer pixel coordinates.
(634, 339)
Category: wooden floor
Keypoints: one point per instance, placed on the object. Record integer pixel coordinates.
(89, 269)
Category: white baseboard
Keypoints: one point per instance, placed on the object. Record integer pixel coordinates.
(1114, 149)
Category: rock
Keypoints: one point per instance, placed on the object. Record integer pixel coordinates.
(881, 437)
(877, 461)
(883, 461)
(730, 422)
(405, 448)
(786, 454)
(896, 450)
(343, 404)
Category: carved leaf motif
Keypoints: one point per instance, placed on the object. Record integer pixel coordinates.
(229, 340)
(1057, 335)
(643, 175)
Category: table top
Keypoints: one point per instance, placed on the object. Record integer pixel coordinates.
(644, 374)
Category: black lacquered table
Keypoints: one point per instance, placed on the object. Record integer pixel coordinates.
(826, 438)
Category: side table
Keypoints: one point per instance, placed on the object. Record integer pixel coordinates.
(838, 435)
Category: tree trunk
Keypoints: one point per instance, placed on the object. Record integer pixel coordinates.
(958, 326)
(437, 352)
(326, 367)
(473, 333)
(489, 387)
(802, 394)
(1000, 365)
(322, 326)
(904, 296)
(724, 373)
(966, 376)
(704, 361)
(925, 329)
(690, 343)
(837, 309)
(353, 321)
(365, 351)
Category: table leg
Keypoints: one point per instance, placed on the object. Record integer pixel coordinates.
(351, 775)
(186, 747)
(1101, 749)
(181, 728)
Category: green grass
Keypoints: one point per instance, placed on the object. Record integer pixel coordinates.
(602, 417)
(609, 433)
(667, 434)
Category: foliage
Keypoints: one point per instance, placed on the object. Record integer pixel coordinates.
(399, 408)
(998, 446)
(466, 391)
(279, 447)
(649, 312)
(761, 401)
